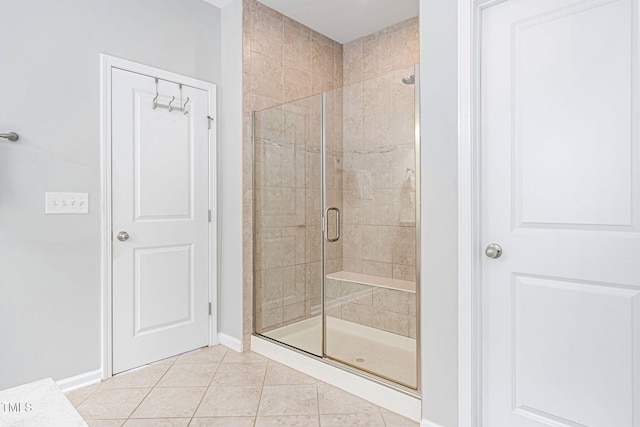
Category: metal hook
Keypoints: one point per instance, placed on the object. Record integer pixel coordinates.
(184, 107)
(11, 136)
(155, 100)
(173, 98)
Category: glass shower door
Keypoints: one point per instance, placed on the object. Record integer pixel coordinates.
(370, 227)
(335, 226)
(287, 223)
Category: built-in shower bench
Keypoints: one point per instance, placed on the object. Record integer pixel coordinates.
(378, 302)
(377, 281)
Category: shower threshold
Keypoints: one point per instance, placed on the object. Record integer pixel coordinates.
(381, 353)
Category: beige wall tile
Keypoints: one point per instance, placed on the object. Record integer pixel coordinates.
(267, 320)
(297, 48)
(333, 307)
(333, 265)
(295, 312)
(297, 83)
(254, 4)
(267, 33)
(391, 300)
(355, 293)
(382, 269)
(267, 76)
(356, 313)
(391, 322)
(298, 26)
(404, 272)
(321, 83)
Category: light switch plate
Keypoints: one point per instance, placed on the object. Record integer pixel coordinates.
(66, 203)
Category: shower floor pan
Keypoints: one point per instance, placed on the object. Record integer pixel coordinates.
(385, 354)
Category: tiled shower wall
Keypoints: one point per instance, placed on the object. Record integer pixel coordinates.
(282, 61)
(379, 153)
(372, 152)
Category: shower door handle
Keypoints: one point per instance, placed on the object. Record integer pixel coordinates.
(326, 219)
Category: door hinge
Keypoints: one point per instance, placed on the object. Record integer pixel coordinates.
(210, 309)
(210, 120)
(209, 215)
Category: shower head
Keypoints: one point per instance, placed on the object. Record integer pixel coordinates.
(409, 80)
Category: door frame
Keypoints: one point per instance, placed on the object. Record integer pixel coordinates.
(107, 64)
(470, 357)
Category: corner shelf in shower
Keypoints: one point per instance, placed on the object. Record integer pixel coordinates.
(377, 281)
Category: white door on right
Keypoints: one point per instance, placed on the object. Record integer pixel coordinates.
(560, 178)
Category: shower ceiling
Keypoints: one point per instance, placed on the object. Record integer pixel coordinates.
(346, 20)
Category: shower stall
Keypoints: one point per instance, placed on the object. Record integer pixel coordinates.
(336, 214)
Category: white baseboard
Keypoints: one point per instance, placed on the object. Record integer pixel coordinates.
(427, 423)
(79, 381)
(231, 342)
(386, 397)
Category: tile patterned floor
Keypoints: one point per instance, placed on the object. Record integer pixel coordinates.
(217, 387)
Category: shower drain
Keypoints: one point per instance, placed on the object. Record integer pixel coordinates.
(360, 359)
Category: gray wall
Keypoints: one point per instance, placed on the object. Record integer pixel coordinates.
(230, 227)
(50, 275)
(439, 258)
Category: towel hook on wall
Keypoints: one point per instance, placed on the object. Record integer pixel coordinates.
(11, 136)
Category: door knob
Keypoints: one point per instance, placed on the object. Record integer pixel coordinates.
(494, 250)
(122, 236)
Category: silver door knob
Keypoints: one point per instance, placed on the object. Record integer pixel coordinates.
(494, 250)
(122, 236)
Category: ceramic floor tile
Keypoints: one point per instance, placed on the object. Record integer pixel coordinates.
(170, 402)
(76, 397)
(235, 374)
(245, 390)
(144, 377)
(105, 423)
(230, 401)
(245, 357)
(332, 400)
(189, 375)
(391, 419)
(280, 374)
(289, 421)
(167, 361)
(111, 404)
(288, 400)
(352, 420)
(203, 355)
(222, 422)
(158, 422)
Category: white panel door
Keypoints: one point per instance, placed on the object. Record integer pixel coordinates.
(560, 194)
(160, 199)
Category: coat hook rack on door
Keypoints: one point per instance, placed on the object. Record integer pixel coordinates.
(182, 107)
(11, 136)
